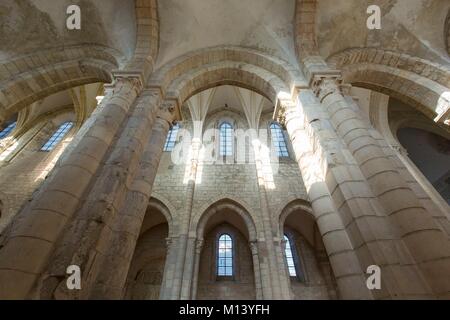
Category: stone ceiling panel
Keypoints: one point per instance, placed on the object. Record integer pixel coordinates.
(188, 25)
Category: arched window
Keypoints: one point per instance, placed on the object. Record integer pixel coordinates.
(225, 256)
(226, 139)
(57, 136)
(8, 129)
(278, 141)
(171, 138)
(290, 257)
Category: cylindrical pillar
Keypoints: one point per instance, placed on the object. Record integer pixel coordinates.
(110, 282)
(426, 242)
(85, 241)
(29, 242)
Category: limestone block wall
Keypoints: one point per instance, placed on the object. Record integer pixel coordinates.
(235, 181)
(314, 285)
(242, 285)
(24, 168)
(147, 268)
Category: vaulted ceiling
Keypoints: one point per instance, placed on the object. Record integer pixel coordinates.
(188, 25)
(30, 25)
(415, 27)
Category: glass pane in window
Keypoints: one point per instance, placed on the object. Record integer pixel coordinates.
(278, 141)
(7, 130)
(57, 136)
(290, 258)
(225, 256)
(171, 138)
(226, 139)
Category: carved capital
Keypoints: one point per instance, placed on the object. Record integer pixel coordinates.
(168, 111)
(284, 107)
(325, 84)
(254, 247)
(199, 245)
(122, 78)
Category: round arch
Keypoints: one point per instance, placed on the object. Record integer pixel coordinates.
(147, 45)
(200, 221)
(423, 94)
(158, 205)
(197, 71)
(21, 91)
(215, 55)
(389, 119)
(298, 205)
(414, 81)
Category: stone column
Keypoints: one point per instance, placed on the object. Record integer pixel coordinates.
(198, 252)
(423, 189)
(426, 242)
(309, 135)
(85, 241)
(187, 248)
(169, 268)
(31, 238)
(276, 276)
(188, 269)
(110, 282)
(257, 271)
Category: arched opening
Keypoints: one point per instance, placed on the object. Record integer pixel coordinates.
(226, 262)
(305, 256)
(390, 110)
(426, 146)
(146, 271)
(431, 154)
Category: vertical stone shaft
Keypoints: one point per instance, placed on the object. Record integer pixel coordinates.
(169, 269)
(415, 223)
(306, 144)
(110, 283)
(277, 282)
(374, 239)
(257, 270)
(85, 241)
(198, 252)
(25, 250)
(186, 256)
